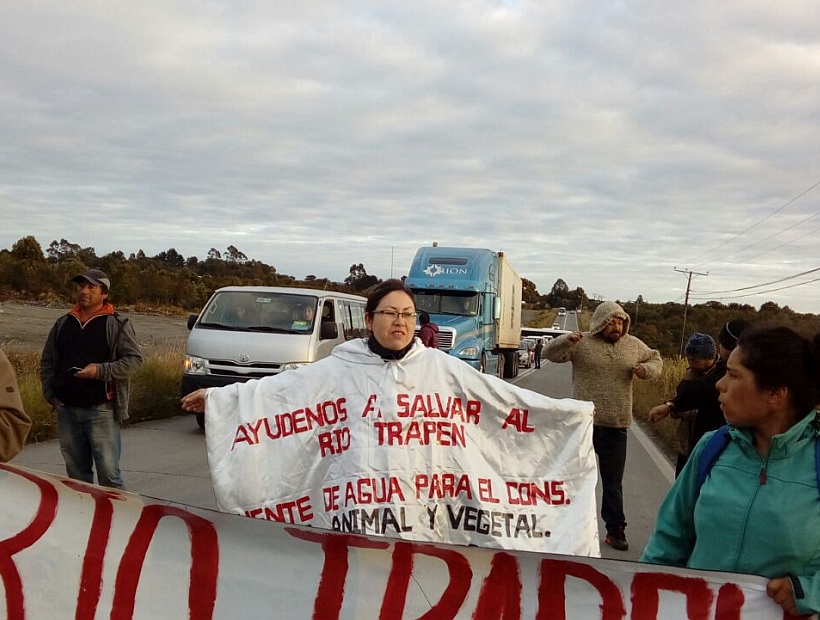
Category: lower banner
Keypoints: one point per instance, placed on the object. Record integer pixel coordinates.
(71, 550)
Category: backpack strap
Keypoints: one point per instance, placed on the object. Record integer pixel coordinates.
(714, 448)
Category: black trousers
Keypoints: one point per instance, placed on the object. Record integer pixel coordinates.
(610, 446)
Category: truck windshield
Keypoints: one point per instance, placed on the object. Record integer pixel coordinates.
(435, 302)
(267, 312)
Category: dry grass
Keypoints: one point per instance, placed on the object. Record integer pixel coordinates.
(154, 388)
(647, 394)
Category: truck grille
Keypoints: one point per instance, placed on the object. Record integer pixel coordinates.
(446, 337)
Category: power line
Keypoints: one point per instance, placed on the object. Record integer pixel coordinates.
(746, 288)
(769, 238)
(777, 247)
(782, 288)
(743, 232)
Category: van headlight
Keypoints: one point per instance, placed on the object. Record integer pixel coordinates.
(293, 365)
(468, 352)
(196, 365)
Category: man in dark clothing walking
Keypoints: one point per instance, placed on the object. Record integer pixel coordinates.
(429, 331)
(85, 370)
(539, 346)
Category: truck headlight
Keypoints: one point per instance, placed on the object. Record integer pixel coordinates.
(196, 365)
(468, 352)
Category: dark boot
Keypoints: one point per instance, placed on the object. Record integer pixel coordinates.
(616, 538)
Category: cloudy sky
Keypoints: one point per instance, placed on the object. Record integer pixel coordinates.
(605, 143)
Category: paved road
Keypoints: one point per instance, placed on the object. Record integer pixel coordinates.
(166, 459)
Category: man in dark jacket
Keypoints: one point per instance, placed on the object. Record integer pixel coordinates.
(539, 347)
(429, 331)
(700, 392)
(88, 359)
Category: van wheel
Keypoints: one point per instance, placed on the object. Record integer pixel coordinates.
(200, 419)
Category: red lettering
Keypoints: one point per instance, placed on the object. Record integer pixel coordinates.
(91, 576)
(646, 589)
(500, 596)
(518, 418)
(532, 493)
(371, 407)
(552, 593)
(473, 411)
(334, 442)
(43, 518)
(485, 491)
(241, 436)
(331, 495)
(330, 595)
(729, 603)
(458, 586)
(204, 562)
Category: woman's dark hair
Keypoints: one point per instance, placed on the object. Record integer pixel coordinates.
(424, 318)
(730, 332)
(780, 357)
(382, 290)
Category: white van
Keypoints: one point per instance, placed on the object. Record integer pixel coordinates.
(249, 332)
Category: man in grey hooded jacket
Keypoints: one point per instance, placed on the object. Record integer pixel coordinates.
(604, 361)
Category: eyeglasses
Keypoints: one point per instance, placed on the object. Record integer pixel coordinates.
(392, 314)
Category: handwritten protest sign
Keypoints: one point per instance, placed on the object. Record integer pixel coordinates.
(71, 550)
(424, 449)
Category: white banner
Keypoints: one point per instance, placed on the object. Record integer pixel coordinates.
(424, 449)
(74, 551)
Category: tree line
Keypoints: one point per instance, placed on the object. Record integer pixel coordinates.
(171, 280)
(167, 279)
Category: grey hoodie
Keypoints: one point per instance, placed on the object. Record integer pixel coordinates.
(602, 371)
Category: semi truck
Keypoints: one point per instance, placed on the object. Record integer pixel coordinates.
(474, 296)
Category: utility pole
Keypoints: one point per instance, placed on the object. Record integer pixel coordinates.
(689, 273)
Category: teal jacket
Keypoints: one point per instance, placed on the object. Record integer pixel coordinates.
(752, 515)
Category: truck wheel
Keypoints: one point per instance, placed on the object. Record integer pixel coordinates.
(499, 366)
(510, 365)
(200, 419)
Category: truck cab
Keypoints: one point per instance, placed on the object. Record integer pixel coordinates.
(475, 299)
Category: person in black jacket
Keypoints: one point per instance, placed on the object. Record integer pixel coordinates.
(698, 392)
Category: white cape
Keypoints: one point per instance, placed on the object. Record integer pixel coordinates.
(424, 448)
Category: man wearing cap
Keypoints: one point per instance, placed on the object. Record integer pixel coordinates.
(699, 391)
(605, 360)
(701, 360)
(85, 369)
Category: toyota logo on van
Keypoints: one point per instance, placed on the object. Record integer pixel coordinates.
(243, 358)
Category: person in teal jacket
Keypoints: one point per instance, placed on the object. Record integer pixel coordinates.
(758, 511)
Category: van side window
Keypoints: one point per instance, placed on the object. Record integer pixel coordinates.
(347, 323)
(359, 324)
(327, 312)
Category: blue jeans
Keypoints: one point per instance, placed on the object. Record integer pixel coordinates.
(90, 436)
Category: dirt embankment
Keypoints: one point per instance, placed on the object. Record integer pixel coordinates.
(25, 327)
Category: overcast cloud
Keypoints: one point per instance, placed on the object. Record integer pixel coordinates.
(605, 143)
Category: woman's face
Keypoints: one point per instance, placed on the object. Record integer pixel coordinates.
(743, 403)
(393, 333)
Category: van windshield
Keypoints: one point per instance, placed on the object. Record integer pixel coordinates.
(262, 312)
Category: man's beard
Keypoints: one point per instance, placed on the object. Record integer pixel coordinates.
(613, 337)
